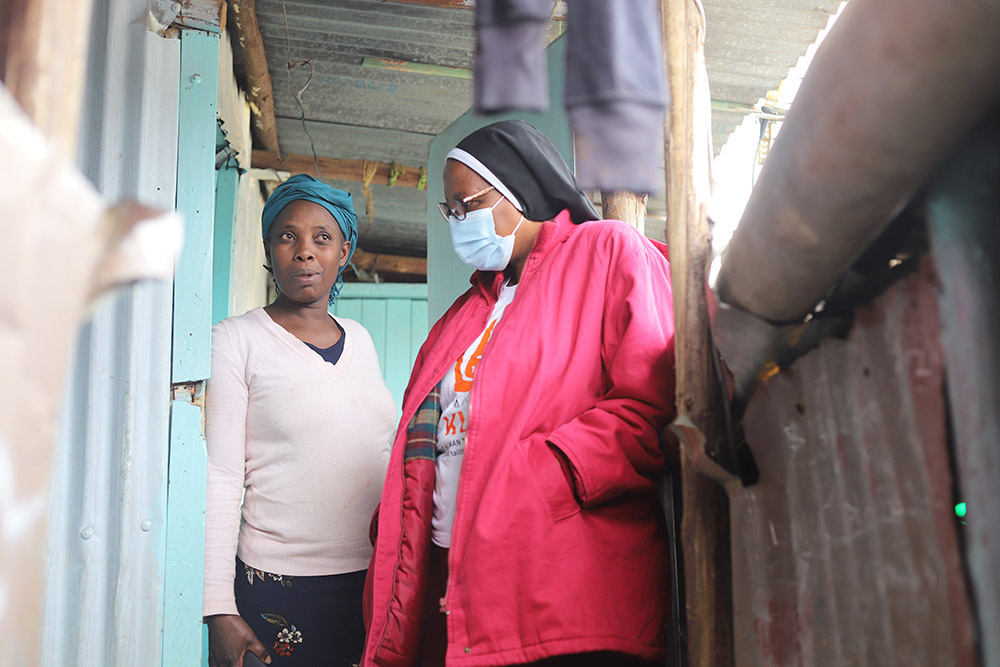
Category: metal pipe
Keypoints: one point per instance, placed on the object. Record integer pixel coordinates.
(893, 88)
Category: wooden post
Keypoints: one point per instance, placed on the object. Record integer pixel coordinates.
(243, 20)
(704, 532)
(43, 52)
(625, 206)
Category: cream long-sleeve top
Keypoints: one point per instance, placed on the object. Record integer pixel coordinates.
(302, 442)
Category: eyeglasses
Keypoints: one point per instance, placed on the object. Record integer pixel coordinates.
(456, 207)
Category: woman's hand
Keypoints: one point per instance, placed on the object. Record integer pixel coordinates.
(229, 637)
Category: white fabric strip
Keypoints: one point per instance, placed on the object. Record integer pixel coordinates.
(475, 165)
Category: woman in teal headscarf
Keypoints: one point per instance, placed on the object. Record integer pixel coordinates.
(299, 423)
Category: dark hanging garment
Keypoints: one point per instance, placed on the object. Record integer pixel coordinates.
(615, 88)
(509, 70)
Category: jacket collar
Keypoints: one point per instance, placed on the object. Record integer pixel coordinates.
(551, 234)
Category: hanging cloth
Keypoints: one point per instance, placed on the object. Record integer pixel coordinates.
(615, 88)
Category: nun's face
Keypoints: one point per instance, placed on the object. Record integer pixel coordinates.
(306, 251)
(460, 182)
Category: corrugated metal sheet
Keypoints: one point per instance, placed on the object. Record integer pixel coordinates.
(399, 224)
(104, 603)
(356, 112)
(847, 552)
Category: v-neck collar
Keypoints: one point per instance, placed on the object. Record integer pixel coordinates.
(304, 350)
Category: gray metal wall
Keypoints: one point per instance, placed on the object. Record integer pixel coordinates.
(104, 598)
(965, 238)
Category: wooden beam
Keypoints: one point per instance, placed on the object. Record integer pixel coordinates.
(559, 15)
(335, 169)
(374, 262)
(704, 532)
(625, 206)
(246, 31)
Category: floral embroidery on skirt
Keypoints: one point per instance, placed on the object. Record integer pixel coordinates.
(303, 620)
(287, 636)
(252, 572)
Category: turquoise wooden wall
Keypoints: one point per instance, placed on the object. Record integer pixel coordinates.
(191, 362)
(395, 315)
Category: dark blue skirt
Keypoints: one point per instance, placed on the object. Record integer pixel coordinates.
(303, 621)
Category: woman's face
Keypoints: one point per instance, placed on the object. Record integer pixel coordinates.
(306, 251)
(460, 182)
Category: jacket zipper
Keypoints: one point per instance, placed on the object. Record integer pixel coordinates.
(472, 396)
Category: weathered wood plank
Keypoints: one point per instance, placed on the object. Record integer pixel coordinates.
(334, 169)
(196, 200)
(185, 553)
(705, 519)
(372, 261)
(207, 15)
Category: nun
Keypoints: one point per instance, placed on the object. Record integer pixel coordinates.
(519, 520)
(298, 427)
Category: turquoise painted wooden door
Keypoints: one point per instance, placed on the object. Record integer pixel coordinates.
(191, 359)
(395, 315)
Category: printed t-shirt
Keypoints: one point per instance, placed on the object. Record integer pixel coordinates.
(456, 392)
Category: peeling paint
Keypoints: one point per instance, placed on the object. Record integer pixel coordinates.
(189, 392)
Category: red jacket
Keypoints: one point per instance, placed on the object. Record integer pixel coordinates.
(582, 360)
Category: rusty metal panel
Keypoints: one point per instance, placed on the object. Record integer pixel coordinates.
(847, 552)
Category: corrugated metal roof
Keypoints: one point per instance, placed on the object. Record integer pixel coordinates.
(847, 552)
(360, 112)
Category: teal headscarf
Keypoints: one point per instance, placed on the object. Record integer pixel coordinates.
(337, 202)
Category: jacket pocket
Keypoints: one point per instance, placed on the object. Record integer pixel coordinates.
(549, 479)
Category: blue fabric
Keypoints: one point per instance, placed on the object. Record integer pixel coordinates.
(337, 202)
(333, 353)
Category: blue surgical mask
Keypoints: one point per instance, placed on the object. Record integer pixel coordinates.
(476, 242)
